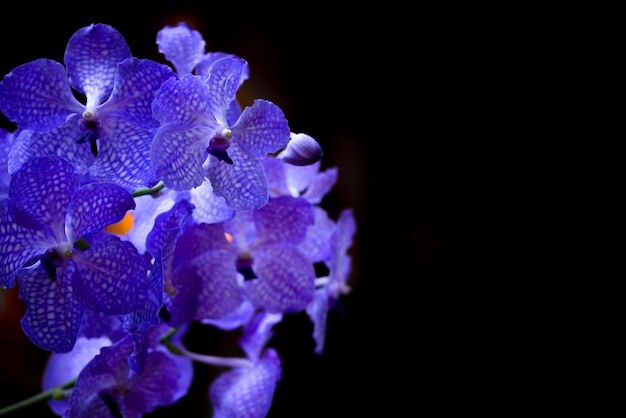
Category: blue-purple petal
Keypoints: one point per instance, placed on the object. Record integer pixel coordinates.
(91, 57)
(136, 82)
(40, 193)
(18, 245)
(37, 95)
(63, 367)
(242, 184)
(123, 157)
(261, 129)
(225, 76)
(284, 219)
(285, 279)
(95, 206)
(182, 46)
(61, 141)
(177, 155)
(219, 293)
(52, 316)
(183, 102)
(243, 392)
(111, 277)
(209, 207)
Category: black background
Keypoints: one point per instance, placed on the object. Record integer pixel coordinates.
(384, 92)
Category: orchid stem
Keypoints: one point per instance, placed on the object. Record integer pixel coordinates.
(53, 393)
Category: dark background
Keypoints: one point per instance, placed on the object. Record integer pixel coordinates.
(384, 92)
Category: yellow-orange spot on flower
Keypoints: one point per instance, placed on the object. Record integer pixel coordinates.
(229, 237)
(123, 226)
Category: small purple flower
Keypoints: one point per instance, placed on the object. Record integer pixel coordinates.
(107, 386)
(60, 275)
(196, 125)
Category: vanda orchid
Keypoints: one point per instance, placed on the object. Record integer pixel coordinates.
(156, 201)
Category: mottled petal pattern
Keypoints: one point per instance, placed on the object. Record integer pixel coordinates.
(95, 206)
(40, 194)
(284, 219)
(91, 57)
(286, 279)
(225, 76)
(52, 316)
(219, 293)
(136, 82)
(209, 207)
(261, 129)
(61, 141)
(181, 46)
(242, 184)
(124, 155)
(177, 155)
(243, 392)
(111, 277)
(37, 95)
(17, 245)
(182, 103)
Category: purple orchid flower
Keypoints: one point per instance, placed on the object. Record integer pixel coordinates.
(108, 137)
(60, 275)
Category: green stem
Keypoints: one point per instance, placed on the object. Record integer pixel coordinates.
(150, 190)
(54, 393)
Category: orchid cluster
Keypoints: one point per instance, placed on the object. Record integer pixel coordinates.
(137, 197)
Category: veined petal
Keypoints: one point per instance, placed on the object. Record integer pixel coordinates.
(37, 95)
(53, 315)
(177, 155)
(261, 129)
(242, 183)
(219, 293)
(18, 245)
(136, 82)
(182, 46)
(111, 277)
(225, 76)
(284, 219)
(285, 282)
(124, 155)
(61, 141)
(243, 392)
(209, 207)
(199, 239)
(95, 206)
(40, 193)
(91, 58)
(183, 102)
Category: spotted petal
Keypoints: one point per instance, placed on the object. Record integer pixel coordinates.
(53, 316)
(61, 141)
(182, 46)
(123, 157)
(17, 245)
(286, 279)
(242, 183)
(177, 155)
(37, 95)
(261, 129)
(243, 392)
(136, 82)
(40, 193)
(111, 277)
(95, 206)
